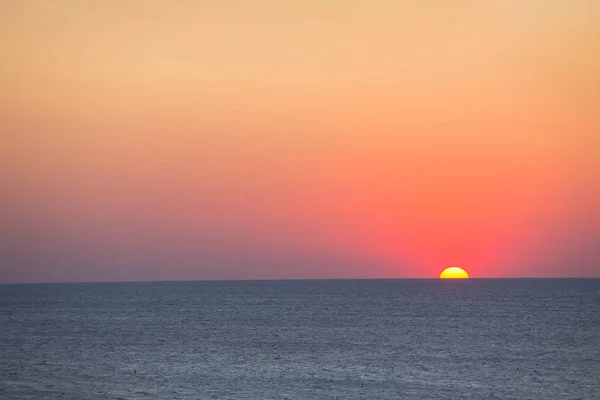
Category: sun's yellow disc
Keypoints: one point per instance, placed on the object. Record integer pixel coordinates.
(454, 273)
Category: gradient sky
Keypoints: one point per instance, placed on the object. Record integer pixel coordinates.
(222, 139)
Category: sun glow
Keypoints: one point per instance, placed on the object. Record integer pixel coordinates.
(454, 273)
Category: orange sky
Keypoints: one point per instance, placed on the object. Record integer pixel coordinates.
(270, 139)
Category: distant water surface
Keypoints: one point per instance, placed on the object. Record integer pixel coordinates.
(339, 339)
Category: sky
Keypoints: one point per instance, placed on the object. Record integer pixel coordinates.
(223, 139)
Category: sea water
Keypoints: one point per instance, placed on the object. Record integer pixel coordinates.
(337, 339)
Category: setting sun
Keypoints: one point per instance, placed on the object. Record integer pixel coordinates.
(454, 273)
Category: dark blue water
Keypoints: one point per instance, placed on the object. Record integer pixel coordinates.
(363, 339)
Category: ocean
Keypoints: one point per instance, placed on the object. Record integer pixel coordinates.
(302, 339)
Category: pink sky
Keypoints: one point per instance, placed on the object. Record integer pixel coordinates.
(145, 140)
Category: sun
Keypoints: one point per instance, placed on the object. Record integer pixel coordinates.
(454, 273)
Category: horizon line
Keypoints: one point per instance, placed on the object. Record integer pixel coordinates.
(287, 279)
